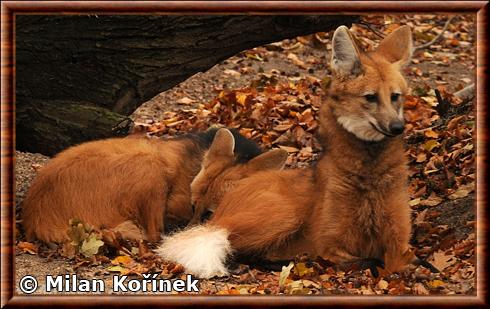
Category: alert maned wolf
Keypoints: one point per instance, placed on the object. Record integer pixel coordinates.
(126, 184)
(352, 205)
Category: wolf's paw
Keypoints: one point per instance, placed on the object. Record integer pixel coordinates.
(428, 265)
(372, 264)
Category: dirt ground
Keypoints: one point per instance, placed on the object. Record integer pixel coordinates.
(457, 216)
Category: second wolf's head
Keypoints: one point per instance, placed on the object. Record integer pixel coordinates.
(367, 88)
(219, 174)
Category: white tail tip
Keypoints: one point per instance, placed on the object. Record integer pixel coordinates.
(202, 250)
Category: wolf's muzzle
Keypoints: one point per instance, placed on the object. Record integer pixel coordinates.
(396, 127)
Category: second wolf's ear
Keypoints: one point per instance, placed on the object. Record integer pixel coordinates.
(345, 60)
(274, 159)
(223, 144)
(397, 46)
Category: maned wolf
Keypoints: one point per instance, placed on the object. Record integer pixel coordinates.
(219, 175)
(352, 205)
(127, 184)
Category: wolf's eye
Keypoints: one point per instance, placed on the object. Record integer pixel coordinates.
(395, 97)
(373, 98)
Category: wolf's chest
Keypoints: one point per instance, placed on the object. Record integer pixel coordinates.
(371, 223)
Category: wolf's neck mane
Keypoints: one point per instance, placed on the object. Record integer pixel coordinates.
(344, 150)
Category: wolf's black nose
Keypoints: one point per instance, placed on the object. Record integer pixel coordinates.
(396, 127)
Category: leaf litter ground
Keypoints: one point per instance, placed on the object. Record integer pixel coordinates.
(272, 94)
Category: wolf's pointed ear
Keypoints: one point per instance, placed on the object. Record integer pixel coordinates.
(397, 46)
(274, 159)
(223, 144)
(345, 60)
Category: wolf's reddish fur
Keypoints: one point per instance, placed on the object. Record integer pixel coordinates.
(98, 183)
(207, 193)
(120, 183)
(354, 203)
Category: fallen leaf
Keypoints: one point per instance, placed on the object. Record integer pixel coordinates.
(77, 232)
(435, 283)
(289, 149)
(431, 134)
(116, 269)
(254, 56)
(282, 127)
(143, 249)
(301, 270)
(91, 245)
(421, 157)
(309, 284)
(453, 123)
(441, 261)
(296, 287)
(285, 274)
(431, 144)
(382, 284)
(185, 101)
(366, 290)
(243, 98)
(27, 247)
(432, 200)
(294, 58)
(124, 260)
(420, 289)
(462, 191)
(68, 250)
(420, 216)
(177, 269)
(414, 202)
(232, 72)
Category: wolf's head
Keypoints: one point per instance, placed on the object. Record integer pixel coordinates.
(219, 172)
(367, 89)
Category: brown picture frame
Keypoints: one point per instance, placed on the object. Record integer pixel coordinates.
(8, 13)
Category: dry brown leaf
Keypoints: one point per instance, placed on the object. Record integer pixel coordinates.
(431, 144)
(185, 101)
(431, 134)
(124, 260)
(414, 202)
(463, 191)
(435, 283)
(232, 72)
(420, 216)
(294, 58)
(420, 289)
(300, 269)
(289, 149)
(27, 247)
(382, 284)
(421, 157)
(282, 127)
(432, 200)
(442, 261)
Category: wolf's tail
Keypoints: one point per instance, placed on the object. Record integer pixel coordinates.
(202, 250)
